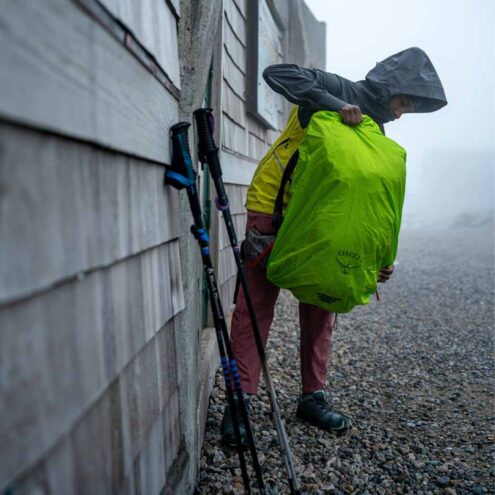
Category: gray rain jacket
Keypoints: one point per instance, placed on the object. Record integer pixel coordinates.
(409, 72)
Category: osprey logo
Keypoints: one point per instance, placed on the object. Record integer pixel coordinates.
(347, 260)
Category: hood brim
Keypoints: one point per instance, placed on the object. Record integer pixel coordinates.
(409, 72)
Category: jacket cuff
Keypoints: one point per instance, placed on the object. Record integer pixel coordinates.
(329, 102)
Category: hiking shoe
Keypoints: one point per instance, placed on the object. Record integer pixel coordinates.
(227, 426)
(314, 409)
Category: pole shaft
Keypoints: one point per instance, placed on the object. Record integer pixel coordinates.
(219, 319)
(208, 152)
(180, 174)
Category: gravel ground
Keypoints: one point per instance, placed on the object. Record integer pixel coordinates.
(415, 372)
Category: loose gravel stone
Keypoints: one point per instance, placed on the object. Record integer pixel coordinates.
(415, 371)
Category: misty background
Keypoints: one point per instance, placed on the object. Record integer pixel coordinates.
(451, 153)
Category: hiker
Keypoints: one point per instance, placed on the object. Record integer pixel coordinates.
(402, 83)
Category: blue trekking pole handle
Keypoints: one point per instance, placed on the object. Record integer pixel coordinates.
(180, 173)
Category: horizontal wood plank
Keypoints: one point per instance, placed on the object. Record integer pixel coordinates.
(227, 290)
(150, 463)
(242, 7)
(257, 147)
(176, 5)
(239, 221)
(68, 75)
(234, 135)
(236, 169)
(139, 402)
(234, 47)
(236, 20)
(255, 127)
(60, 351)
(234, 77)
(68, 207)
(155, 26)
(237, 198)
(105, 447)
(233, 106)
(271, 137)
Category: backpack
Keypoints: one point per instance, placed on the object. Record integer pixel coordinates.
(343, 220)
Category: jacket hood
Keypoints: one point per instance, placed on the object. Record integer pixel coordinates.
(408, 72)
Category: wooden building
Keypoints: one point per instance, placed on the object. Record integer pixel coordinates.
(106, 358)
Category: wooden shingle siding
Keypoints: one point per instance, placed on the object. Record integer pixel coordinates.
(242, 7)
(68, 208)
(256, 128)
(104, 453)
(234, 77)
(256, 146)
(237, 198)
(234, 136)
(62, 349)
(72, 77)
(227, 292)
(236, 169)
(100, 292)
(237, 210)
(239, 222)
(154, 25)
(234, 106)
(234, 47)
(236, 20)
(245, 139)
(227, 269)
(272, 136)
(175, 6)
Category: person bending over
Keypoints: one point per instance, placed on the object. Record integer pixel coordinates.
(402, 83)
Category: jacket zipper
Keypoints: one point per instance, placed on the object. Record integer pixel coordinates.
(274, 153)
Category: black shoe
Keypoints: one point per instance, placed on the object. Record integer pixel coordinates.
(227, 427)
(314, 409)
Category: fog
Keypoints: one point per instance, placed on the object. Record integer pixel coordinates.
(451, 153)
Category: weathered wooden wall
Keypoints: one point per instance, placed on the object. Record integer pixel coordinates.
(244, 139)
(91, 289)
(104, 370)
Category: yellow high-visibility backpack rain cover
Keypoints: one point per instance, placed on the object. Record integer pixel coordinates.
(343, 219)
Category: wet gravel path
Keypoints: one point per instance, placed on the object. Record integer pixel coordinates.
(415, 372)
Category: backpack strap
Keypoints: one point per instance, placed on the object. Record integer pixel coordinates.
(279, 202)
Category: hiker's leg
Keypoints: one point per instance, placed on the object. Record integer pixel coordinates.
(264, 295)
(316, 335)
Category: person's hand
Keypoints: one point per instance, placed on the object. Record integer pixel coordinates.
(385, 273)
(351, 114)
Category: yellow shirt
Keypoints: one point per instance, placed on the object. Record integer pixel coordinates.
(266, 180)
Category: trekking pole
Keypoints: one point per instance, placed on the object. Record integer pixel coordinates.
(182, 175)
(208, 153)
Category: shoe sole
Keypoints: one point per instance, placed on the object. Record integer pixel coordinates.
(336, 432)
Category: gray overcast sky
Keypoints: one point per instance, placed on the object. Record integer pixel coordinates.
(458, 36)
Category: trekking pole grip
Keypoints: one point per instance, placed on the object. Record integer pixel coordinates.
(207, 149)
(204, 123)
(181, 165)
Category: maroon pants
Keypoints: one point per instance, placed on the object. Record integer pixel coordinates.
(316, 326)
